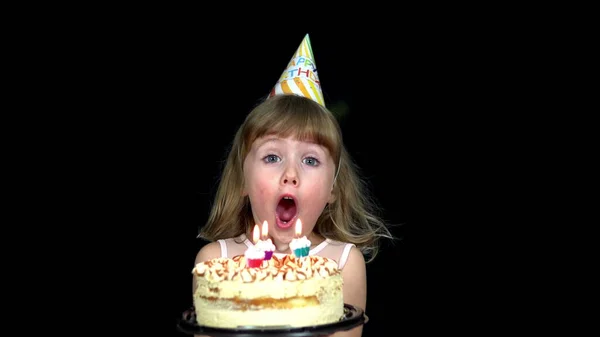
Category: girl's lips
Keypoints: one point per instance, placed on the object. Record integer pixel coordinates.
(285, 225)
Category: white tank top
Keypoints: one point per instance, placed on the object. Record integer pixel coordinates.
(331, 249)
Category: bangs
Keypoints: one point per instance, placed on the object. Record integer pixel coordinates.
(313, 128)
(298, 117)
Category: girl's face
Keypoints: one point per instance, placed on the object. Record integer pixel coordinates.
(287, 180)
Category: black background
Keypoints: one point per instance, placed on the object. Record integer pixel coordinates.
(401, 102)
(417, 104)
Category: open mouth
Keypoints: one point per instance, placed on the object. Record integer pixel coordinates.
(286, 212)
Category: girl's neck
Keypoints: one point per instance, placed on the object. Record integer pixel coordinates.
(314, 238)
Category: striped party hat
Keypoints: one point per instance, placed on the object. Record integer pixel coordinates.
(300, 76)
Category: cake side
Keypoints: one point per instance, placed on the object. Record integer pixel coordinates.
(288, 292)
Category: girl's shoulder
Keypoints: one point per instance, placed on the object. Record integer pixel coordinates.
(233, 246)
(335, 250)
(229, 247)
(209, 251)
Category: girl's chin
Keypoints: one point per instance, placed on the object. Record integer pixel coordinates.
(282, 243)
(282, 248)
(282, 240)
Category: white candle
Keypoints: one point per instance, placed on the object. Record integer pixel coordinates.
(300, 246)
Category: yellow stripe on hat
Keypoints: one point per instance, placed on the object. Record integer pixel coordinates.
(286, 88)
(317, 92)
(302, 87)
(304, 50)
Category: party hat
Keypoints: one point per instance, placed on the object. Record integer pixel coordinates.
(300, 76)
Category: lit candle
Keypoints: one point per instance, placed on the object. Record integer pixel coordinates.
(300, 245)
(265, 244)
(254, 255)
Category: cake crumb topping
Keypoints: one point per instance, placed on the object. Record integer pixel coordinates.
(289, 268)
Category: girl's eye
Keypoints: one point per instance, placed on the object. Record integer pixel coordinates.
(271, 158)
(311, 161)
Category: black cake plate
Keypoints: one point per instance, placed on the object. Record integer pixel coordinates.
(353, 317)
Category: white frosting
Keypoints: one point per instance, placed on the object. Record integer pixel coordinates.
(254, 253)
(266, 245)
(302, 242)
(289, 268)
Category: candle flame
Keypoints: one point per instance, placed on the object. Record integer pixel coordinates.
(256, 234)
(298, 228)
(265, 230)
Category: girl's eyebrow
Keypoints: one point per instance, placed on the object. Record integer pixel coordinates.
(265, 140)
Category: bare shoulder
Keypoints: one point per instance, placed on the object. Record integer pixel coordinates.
(209, 251)
(355, 265)
(354, 275)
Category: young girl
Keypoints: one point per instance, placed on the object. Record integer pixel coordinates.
(288, 162)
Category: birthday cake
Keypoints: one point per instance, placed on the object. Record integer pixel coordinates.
(288, 291)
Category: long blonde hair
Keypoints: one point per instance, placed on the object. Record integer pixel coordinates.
(353, 217)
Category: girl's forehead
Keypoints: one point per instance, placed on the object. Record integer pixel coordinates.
(275, 139)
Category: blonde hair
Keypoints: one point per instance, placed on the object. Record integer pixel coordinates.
(353, 217)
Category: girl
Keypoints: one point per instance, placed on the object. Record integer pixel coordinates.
(288, 162)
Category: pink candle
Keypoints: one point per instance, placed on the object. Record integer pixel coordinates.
(265, 244)
(254, 255)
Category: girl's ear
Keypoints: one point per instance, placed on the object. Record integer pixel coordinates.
(243, 191)
(332, 196)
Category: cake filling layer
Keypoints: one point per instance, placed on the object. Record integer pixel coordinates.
(308, 316)
(264, 303)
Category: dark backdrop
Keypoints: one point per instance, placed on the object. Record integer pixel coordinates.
(389, 97)
(137, 108)
(409, 105)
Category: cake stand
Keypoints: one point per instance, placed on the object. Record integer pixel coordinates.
(353, 317)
